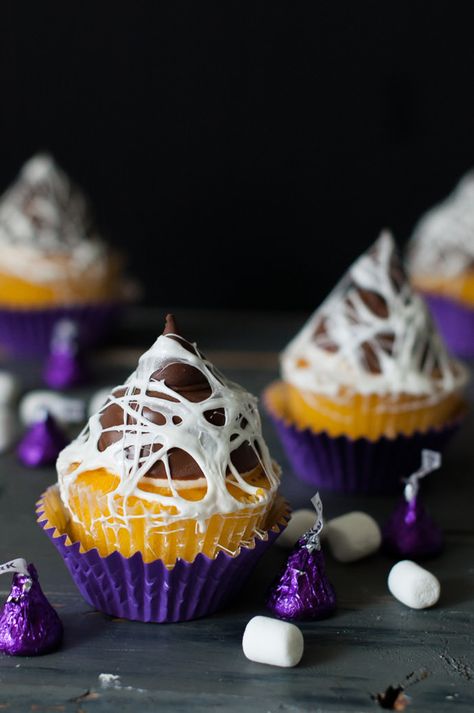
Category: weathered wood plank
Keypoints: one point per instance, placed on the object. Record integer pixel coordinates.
(372, 641)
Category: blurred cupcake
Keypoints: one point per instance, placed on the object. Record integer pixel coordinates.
(441, 263)
(52, 262)
(366, 381)
(171, 478)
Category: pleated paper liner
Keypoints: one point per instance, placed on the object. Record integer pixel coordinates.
(28, 332)
(356, 465)
(137, 525)
(132, 589)
(455, 321)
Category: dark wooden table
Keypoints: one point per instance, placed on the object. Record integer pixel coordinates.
(372, 642)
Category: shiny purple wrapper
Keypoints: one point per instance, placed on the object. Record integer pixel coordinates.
(455, 321)
(28, 332)
(29, 626)
(411, 532)
(303, 591)
(64, 369)
(357, 465)
(41, 444)
(129, 588)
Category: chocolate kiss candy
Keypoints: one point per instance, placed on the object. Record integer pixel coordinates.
(64, 366)
(410, 532)
(29, 626)
(42, 442)
(303, 591)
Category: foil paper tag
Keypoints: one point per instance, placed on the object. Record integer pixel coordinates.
(312, 540)
(430, 460)
(16, 566)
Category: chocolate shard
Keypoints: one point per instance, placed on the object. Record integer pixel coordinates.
(321, 337)
(245, 457)
(171, 330)
(215, 416)
(186, 380)
(181, 464)
(170, 325)
(370, 360)
(386, 340)
(374, 302)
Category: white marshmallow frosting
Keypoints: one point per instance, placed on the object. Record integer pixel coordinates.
(183, 425)
(443, 240)
(372, 335)
(42, 216)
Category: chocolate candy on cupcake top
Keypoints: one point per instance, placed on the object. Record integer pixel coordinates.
(442, 244)
(44, 215)
(176, 423)
(373, 334)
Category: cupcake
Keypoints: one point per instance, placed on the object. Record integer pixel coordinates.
(367, 381)
(441, 264)
(171, 478)
(52, 262)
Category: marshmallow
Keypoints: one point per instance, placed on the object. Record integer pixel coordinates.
(63, 409)
(98, 400)
(352, 536)
(8, 428)
(273, 642)
(301, 521)
(8, 388)
(413, 586)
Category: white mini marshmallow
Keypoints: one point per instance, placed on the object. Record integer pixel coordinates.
(352, 536)
(8, 428)
(98, 399)
(63, 408)
(8, 388)
(273, 642)
(413, 586)
(301, 521)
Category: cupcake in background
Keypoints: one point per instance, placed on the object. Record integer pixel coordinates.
(367, 381)
(169, 496)
(53, 264)
(441, 264)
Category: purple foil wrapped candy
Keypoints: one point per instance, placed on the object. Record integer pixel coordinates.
(29, 626)
(64, 366)
(42, 442)
(410, 532)
(303, 591)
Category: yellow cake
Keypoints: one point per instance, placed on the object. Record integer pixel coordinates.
(174, 463)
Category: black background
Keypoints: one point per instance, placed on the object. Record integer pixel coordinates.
(242, 153)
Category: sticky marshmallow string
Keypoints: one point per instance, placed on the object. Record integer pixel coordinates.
(373, 334)
(143, 442)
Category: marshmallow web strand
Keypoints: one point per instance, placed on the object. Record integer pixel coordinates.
(373, 334)
(143, 442)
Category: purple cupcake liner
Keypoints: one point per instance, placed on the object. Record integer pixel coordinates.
(28, 332)
(455, 321)
(356, 465)
(129, 588)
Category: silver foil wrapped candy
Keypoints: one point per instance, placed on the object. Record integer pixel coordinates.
(42, 442)
(302, 590)
(29, 626)
(411, 532)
